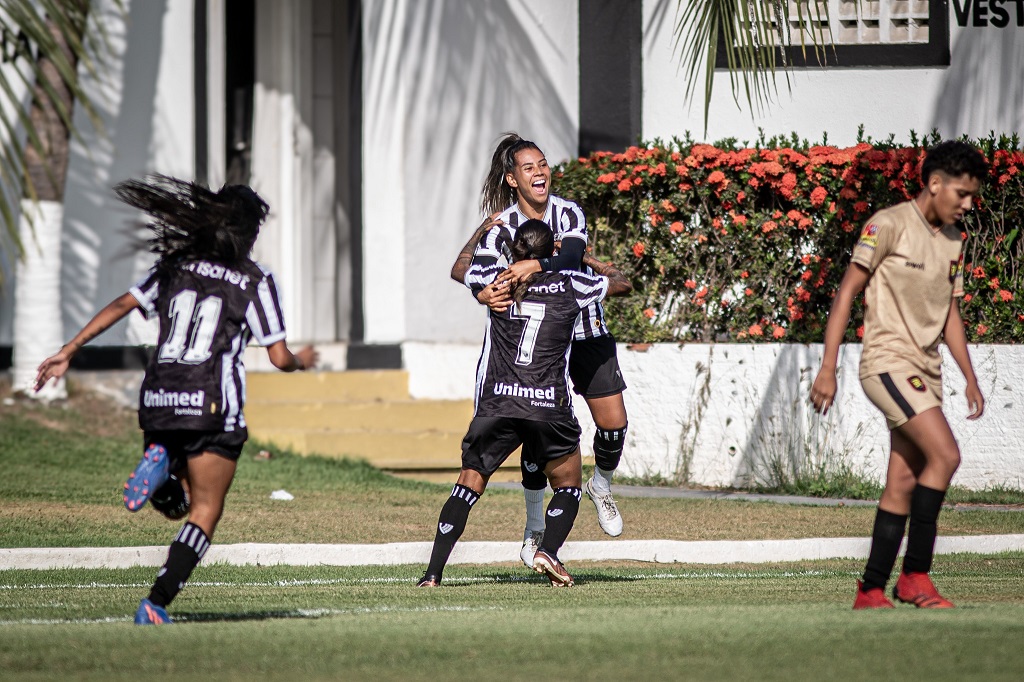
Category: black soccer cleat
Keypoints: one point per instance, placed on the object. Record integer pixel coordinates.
(429, 580)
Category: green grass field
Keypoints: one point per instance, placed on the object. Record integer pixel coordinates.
(63, 466)
(785, 622)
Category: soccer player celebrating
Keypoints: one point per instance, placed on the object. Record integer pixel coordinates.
(909, 258)
(517, 188)
(522, 398)
(210, 299)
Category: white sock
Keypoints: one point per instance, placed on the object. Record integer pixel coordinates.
(534, 508)
(602, 480)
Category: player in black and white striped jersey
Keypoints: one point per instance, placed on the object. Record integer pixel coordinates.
(522, 398)
(210, 299)
(518, 188)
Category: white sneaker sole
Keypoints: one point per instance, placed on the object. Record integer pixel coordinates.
(613, 526)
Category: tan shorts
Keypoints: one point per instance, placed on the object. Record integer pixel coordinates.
(902, 394)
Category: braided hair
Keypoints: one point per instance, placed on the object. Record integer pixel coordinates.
(533, 240)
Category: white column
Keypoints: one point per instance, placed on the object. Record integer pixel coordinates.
(384, 162)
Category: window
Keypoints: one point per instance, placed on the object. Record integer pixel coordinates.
(861, 33)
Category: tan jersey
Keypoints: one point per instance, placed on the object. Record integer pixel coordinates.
(916, 271)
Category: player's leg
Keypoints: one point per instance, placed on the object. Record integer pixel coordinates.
(556, 444)
(534, 484)
(488, 442)
(210, 474)
(930, 433)
(905, 463)
(594, 368)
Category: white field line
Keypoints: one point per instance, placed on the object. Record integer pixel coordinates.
(656, 551)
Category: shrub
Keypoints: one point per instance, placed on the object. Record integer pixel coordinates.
(749, 244)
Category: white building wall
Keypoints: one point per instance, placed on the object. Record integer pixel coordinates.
(981, 91)
(144, 98)
(727, 413)
(442, 81)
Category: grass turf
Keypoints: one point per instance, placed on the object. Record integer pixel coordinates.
(790, 621)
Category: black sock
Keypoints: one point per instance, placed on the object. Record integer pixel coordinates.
(450, 525)
(925, 505)
(562, 510)
(885, 545)
(533, 475)
(608, 444)
(188, 548)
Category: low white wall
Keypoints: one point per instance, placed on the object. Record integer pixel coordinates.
(730, 413)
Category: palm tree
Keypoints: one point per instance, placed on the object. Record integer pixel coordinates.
(757, 31)
(35, 169)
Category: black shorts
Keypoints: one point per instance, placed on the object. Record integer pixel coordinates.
(184, 444)
(490, 440)
(594, 367)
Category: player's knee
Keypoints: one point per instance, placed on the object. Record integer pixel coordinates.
(608, 444)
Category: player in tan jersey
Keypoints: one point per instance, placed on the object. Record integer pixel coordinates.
(909, 259)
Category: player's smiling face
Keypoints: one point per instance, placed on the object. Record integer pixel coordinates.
(952, 197)
(531, 177)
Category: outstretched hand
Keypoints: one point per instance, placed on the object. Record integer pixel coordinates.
(308, 356)
(52, 367)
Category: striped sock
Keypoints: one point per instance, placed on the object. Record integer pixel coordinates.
(186, 551)
(450, 524)
(562, 511)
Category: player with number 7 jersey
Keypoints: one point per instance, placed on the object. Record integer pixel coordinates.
(522, 399)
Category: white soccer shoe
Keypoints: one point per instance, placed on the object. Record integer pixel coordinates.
(607, 511)
(531, 543)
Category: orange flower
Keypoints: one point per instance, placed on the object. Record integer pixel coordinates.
(606, 178)
(967, 298)
(778, 332)
(716, 177)
(768, 226)
(860, 332)
(1005, 295)
(625, 185)
(690, 284)
(818, 196)
(755, 330)
(668, 206)
(744, 274)
(748, 291)
(638, 249)
(676, 227)
(982, 330)
(649, 313)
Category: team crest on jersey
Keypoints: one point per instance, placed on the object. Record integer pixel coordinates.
(956, 268)
(869, 237)
(916, 383)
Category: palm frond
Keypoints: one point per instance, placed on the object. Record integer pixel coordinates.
(755, 34)
(47, 27)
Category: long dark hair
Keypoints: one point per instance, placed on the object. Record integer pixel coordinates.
(497, 194)
(533, 240)
(192, 222)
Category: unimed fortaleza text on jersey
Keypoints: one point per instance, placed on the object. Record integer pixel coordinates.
(523, 368)
(208, 312)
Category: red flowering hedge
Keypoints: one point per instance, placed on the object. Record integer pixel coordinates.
(750, 244)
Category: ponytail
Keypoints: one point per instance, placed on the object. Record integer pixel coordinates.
(497, 194)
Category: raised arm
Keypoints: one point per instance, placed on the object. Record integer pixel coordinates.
(465, 257)
(56, 365)
(956, 340)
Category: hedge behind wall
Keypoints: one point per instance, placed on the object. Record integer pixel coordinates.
(749, 244)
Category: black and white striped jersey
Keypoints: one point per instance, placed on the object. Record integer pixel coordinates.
(195, 380)
(523, 369)
(566, 221)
